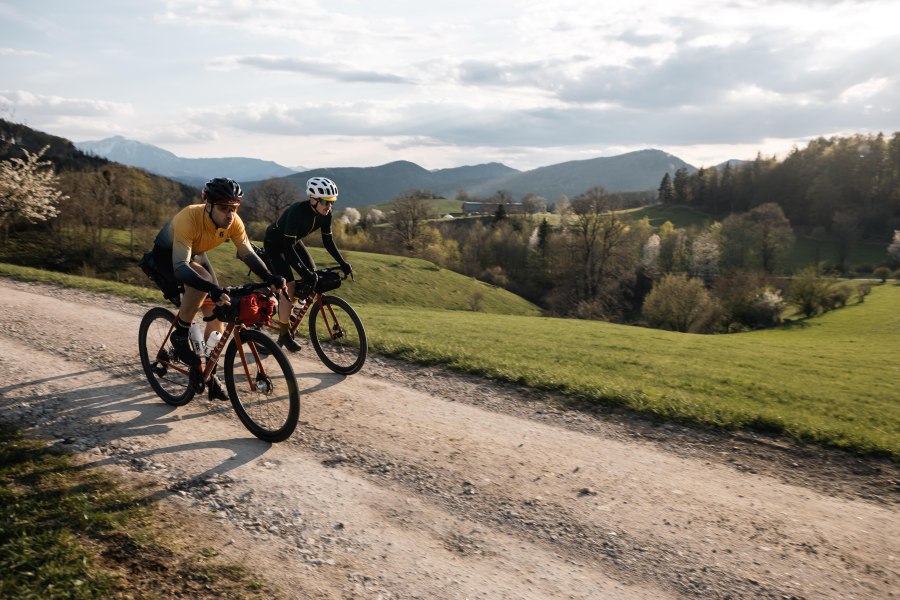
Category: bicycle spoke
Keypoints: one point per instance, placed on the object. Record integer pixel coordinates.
(338, 336)
(262, 387)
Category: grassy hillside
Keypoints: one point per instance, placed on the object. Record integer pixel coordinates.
(439, 206)
(395, 280)
(829, 380)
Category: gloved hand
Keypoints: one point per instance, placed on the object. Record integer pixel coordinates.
(216, 294)
(278, 284)
(347, 269)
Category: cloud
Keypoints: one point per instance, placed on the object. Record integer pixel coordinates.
(317, 68)
(28, 104)
(24, 53)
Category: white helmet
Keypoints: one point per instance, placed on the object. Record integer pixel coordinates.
(322, 188)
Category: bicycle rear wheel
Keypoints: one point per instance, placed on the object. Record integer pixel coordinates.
(338, 336)
(167, 376)
(267, 403)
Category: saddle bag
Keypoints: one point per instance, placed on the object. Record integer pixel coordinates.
(171, 288)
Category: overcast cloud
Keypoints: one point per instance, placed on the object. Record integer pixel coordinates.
(523, 82)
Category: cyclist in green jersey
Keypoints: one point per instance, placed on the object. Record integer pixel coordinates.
(285, 249)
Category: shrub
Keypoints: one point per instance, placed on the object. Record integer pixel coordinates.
(766, 309)
(837, 295)
(749, 300)
(476, 300)
(863, 290)
(896, 275)
(810, 293)
(682, 304)
(881, 273)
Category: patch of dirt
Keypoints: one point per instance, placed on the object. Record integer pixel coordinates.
(404, 482)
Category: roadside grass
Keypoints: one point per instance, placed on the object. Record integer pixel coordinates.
(830, 380)
(67, 532)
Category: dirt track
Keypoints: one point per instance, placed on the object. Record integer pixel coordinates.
(414, 483)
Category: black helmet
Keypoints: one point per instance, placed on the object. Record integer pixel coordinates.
(222, 190)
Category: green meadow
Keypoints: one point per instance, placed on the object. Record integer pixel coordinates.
(829, 380)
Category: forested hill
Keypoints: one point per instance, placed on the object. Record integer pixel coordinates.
(14, 138)
(843, 188)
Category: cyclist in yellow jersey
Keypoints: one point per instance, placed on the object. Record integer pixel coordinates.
(180, 255)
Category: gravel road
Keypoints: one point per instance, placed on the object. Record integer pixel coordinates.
(410, 482)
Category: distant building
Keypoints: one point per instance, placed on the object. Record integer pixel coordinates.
(490, 208)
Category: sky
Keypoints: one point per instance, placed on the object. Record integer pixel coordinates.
(527, 83)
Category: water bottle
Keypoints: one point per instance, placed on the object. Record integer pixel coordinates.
(212, 341)
(197, 339)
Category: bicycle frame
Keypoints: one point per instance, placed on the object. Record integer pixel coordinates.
(213, 358)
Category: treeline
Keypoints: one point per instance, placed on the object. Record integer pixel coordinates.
(845, 188)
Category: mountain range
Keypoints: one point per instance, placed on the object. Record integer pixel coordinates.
(360, 186)
(192, 171)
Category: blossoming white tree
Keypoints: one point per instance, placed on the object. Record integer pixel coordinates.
(29, 191)
(894, 248)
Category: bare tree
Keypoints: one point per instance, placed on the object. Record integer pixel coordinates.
(409, 214)
(271, 197)
(29, 191)
(532, 204)
(598, 232)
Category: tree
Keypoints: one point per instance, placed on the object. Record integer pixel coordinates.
(759, 239)
(351, 216)
(532, 204)
(846, 231)
(681, 187)
(600, 253)
(29, 191)
(563, 206)
(666, 190)
(894, 248)
(409, 215)
(271, 197)
(374, 217)
(775, 235)
(704, 259)
(500, 214)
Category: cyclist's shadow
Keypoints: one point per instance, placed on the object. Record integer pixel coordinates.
(74, 403)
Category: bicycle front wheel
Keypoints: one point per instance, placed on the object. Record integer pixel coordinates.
(264, 392)
(168, 377)
(338, 336)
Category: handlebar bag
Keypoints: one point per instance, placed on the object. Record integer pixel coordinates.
(257, 308)
(328, 280)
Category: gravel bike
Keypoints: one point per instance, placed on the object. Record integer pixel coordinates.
(258, 376)
(335, 330)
